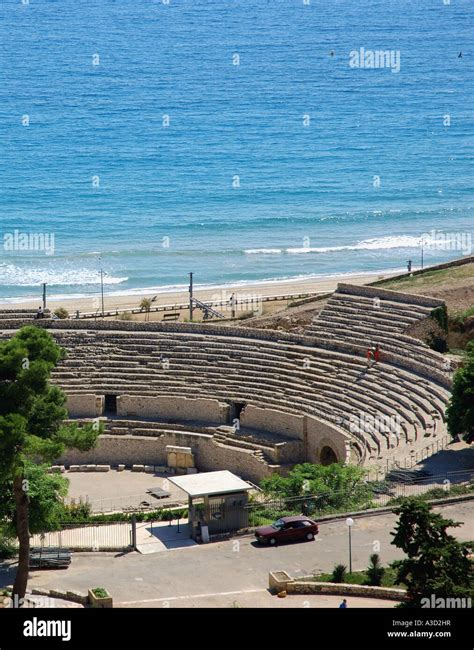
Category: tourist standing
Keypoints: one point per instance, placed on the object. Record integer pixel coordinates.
(377, 353)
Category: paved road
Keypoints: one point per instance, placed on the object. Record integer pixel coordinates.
(231, 569)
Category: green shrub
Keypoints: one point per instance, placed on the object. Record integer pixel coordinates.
(436, 493)
(339, 573)
(440, 315)
(61, 312)
(7, 548)
(100, 592)
(375, 571)
(80, 510)
(155, 515)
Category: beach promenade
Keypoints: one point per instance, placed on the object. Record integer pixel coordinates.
(243, 292)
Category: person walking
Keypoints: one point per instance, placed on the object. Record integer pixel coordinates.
(343, 605)
(369, 354)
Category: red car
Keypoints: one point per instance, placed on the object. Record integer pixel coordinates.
(287, 529)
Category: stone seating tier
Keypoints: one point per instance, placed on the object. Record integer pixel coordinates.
(324, 374)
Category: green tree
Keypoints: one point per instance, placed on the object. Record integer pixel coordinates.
(46, 492)
(436, 564)
(32, 428)
(145, 305)
(460, 411)
(335, 486)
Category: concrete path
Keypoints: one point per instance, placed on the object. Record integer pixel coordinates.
(160, 536)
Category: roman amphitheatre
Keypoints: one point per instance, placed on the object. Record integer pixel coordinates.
(255, 398)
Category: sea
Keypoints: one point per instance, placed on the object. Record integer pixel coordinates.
(240, 140)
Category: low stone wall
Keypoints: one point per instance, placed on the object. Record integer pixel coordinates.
(145, 450)
(117, 450)
(342, 589)
(388, 294)
(281, 581)
(274, 421)
(85, 405)
(174, 408)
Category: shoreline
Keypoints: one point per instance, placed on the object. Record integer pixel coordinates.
(216, 293)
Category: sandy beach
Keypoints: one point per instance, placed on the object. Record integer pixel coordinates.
(246, 292)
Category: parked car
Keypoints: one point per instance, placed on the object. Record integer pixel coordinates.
(287, 529)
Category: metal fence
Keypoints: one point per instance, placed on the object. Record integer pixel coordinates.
(110, 536)
(415, 457)
(127, 503)
(374, 494)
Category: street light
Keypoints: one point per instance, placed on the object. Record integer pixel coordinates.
(349, 523)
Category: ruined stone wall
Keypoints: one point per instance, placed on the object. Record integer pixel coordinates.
(85, 405)
(146, 450)
(274, 421)
(165, 408)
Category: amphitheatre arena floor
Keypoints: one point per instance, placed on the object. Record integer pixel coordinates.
(114, 490)
(232, 571)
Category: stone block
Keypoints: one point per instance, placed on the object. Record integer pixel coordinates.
(138, 468)
(77, 597)
(120, 468)
(102, 468)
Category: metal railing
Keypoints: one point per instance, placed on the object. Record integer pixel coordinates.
(249, 303)
(413, 458)
(126, 503)
(87, 537)
(366, 496)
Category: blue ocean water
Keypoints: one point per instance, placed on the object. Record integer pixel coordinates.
(230, 138)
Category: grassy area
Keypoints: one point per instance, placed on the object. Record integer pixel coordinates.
(460, 316)
(360, 578)
(435, 279)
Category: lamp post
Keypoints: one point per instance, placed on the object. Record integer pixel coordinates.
(102, 289)
(422, 244)
(349, 523)
(191, 296)
(101, 273)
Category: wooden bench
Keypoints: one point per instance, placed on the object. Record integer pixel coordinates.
(172, 316)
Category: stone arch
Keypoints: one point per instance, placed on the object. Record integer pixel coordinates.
(327, 456)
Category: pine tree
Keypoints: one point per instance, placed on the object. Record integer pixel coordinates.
(437, 564)
(32, 427)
